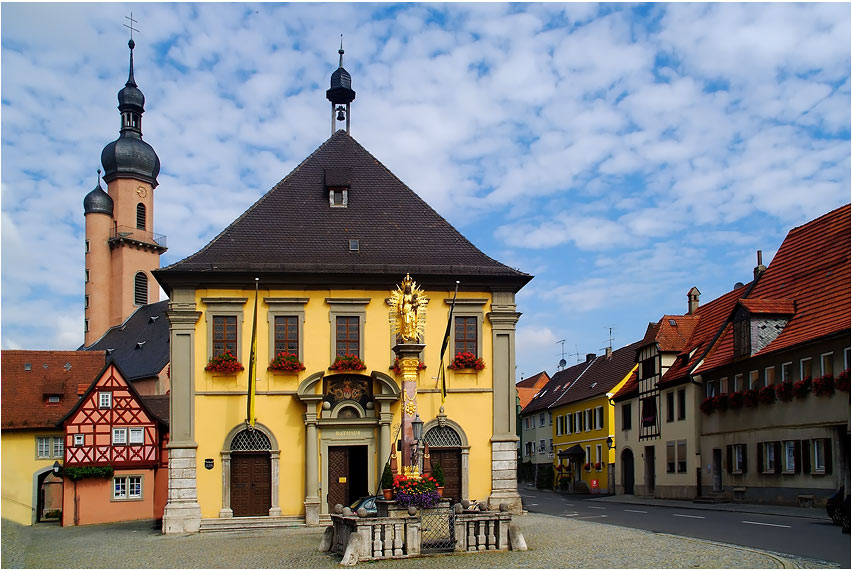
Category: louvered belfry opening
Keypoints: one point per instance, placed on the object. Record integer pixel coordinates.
(140, 216)
(140, 289)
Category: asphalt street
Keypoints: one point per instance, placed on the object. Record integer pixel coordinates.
(794, 531)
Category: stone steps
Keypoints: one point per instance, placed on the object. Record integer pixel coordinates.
(243, 523)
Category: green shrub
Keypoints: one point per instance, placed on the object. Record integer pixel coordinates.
(438, 474)
(80, 472)
(387, 478)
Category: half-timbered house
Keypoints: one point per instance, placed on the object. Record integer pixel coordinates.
(114, 452)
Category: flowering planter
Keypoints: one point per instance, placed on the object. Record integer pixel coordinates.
(285, 363)
(466, 360)
(224, 363)
(841, 383)
(347, 363)
(823, 386)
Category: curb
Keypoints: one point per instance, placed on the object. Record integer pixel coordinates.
(782, 560)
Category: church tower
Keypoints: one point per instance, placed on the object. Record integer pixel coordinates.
(121, 247)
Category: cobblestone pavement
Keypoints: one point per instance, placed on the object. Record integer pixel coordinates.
(553, 543)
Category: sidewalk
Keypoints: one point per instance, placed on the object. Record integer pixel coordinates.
(789, 511)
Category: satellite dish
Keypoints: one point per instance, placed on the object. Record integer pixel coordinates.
(562, 362)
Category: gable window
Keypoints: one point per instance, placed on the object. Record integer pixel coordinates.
(225, 334)
(787, 372)
(140, 216)
(347, 340)
(140, 289)
(742, 337)
(104, 400)
(626, 417)
(804, 368)
(79, 439)
(826, 361)
(670, 406)
(681, 404)
(119, 436)
(137, 436)
(466, 335)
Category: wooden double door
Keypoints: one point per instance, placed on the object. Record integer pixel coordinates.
(251, 484)
(451, 464)
(347, 475)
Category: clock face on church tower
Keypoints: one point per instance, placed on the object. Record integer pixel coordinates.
(141, 191)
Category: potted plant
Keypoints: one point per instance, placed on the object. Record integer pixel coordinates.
(387, 482)
(707, 406)
(784, 391)
(347, 363)
(767, 395)
(823, 386)
(750, 397)
(286, 362)
(841, 383)
(397, 369)
(735, 400)
(420, 492)
(467, 360)
(438, 474)
(224, 363)
(802, 388)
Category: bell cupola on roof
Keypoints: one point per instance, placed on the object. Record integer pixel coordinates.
(341, 93)
(129, 156)
(98, 201)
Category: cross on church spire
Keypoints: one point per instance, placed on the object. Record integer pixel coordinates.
(132, 29)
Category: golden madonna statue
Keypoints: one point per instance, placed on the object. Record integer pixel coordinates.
(408, 310)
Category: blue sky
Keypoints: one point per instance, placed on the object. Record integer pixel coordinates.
(622, 154)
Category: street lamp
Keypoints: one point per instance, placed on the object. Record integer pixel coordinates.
(56, 468)
(609, 442)
(417, 434)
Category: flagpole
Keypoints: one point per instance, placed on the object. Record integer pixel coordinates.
(441, 372)
(252, 378)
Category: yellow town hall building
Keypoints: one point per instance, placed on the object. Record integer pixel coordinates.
(327, 245)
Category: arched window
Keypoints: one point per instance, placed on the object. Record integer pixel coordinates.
(140, 216)
(140, 289)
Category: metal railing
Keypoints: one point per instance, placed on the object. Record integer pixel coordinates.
(131, 233)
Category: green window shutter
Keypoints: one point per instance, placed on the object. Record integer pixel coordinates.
(828, 455)
(745, 459)
(797, 454)
(778, 458)
(760, 464)
(806, 456)
(729, 458)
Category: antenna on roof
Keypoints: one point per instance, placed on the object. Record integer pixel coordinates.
(562, 361)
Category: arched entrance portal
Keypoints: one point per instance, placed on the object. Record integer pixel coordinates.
(627, 471)
(448, 447)
(250, 473)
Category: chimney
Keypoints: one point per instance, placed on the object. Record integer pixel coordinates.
(759, 268)
(609, 352)
(692, 297)
(590, 357)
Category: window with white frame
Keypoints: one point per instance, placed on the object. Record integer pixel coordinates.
(599, 455)
(127, 488)
(79, 439)
(768, 451)
(711, 389)
(769, 376)
(681, 456)
(588, 454)
(790, 454)
(723, 386)
(541, 446)
(550, 448)
(50, 446)
(587, 420)
(599, 418)
(569, 423)
(670, 456)
(818, 447)
(739, 458)
(119, 436)
(804, 368)
(529, 448)
(558, 426)
(753, 380)
(578, 422)
(787, 372)
(541, 419)
(826, 361)
(137, 436)
(549, 418)
(681, 404)
(670, 406)
(104, 399)
(626, 417)
(526, 423)
(738, 383)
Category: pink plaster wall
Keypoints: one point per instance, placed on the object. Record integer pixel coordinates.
(95, 503)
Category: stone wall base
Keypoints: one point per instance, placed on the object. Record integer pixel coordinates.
(504, 482)
(182, 513)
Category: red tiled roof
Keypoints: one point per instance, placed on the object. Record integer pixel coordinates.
(527, 388)
(671, 333)
(769, 306)
(811, 268)
(24, 392)
(711, 317)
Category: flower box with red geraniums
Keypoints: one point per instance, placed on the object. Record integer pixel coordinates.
(735, 400)
(347, 363)
(802, 388)
(598, 466)
(766, 395)
(418, 492)
(224, 363)
(285, 362)
(720, 402)
(707, 405)
(750, 397)
(784, 391)
(841, 383)
(587, 466)
(467, 360)
(823, 386)
(397, 368)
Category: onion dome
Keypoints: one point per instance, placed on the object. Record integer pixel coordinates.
(341, 84)
(98, 201)
(129, 156)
